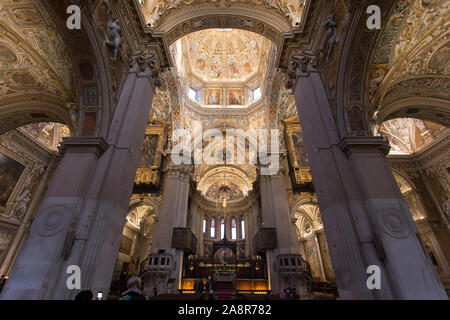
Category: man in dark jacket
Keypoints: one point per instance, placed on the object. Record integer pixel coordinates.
(134, 292)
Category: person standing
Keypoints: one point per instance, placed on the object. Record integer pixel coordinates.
(134, 292)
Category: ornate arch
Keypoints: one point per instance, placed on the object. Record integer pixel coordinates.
(425, 108)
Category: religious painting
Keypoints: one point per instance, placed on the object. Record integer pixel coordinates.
(299, 149)
(6, 237)
(233, 70)
(6, 54)
(125, 245)
(26, 15)
(214, 96)
(148, 153)
(200, 64)
(224, 255)
(10, 172)
(215, 70)
(235, 97)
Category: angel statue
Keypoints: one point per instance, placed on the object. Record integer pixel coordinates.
(113, 37)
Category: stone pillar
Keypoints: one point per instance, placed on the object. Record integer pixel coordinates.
(173, 214)
(319, 256)
(81, 218)
(196, 223)
(365, 218)
(276, 214)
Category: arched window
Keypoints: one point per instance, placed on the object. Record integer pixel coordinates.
(222, 228)
(242, 227)
(204, 225)
(213, 227)
(233, 229)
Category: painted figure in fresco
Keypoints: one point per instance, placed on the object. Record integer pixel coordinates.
(215, 70)
(213, 97)
(233, 68)
(235, 97)
(200, 65)
(113, 37)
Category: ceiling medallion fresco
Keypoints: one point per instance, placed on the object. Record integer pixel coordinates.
(224, 54)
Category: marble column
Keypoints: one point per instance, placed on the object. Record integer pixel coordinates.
(365, 218)
(196, 224)
(173, 214)
(276, 214)
(319, 256)
(82, 215)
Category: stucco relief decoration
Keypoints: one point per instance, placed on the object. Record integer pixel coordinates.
(28, 41)
(394, 223)
(416, 29)
(154, 10)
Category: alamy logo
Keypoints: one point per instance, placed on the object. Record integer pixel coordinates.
(374, 280)
(74, 280)
(74, 20)
(234, 146)
(374, 20)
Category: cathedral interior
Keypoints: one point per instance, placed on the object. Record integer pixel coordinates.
(357, 119)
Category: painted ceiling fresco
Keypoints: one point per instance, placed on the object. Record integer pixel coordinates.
(154, 10)
(225, 54)
(49, 134)
(223, 182)
(28, 42)
(407, 135)
(414, 43)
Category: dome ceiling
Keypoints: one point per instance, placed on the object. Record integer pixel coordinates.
(225, 54)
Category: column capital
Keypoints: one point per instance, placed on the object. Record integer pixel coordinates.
(364, 144)
(144, 63)
(180, 171)
(300, 65)
(95, 145)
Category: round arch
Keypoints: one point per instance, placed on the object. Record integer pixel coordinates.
(136, 202)
(26, 110)
(425, 108)
(199, 16)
